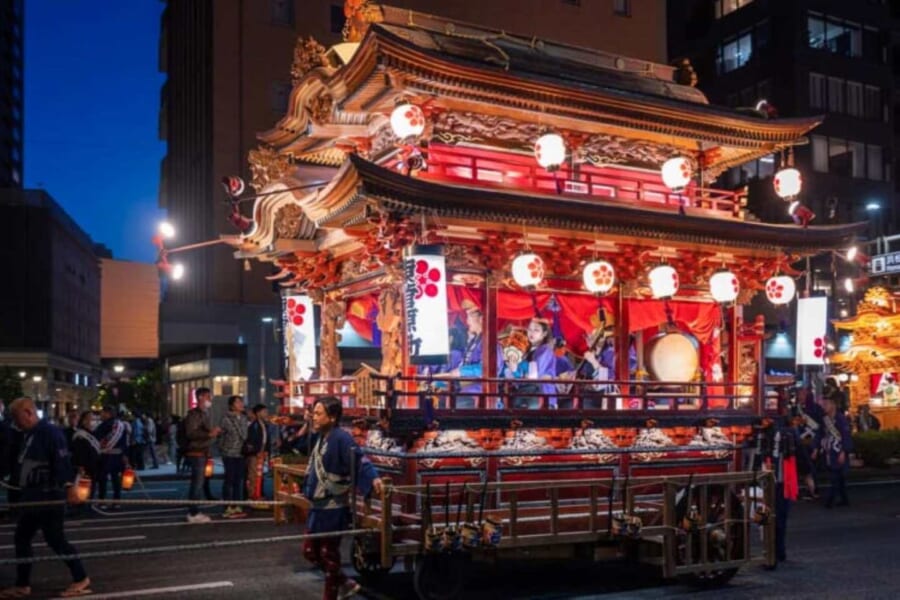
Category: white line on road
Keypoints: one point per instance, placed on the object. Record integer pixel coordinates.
(179, 523)
(128, 538)
(150, 490)
(162, 590)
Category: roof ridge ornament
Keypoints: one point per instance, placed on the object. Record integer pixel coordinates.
(309, 54)
(359, 15)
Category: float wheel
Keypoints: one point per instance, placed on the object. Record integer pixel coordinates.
(440, 576)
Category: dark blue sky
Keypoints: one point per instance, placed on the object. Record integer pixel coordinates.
(91, 107)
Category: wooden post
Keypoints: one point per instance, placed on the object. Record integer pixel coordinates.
(386, 532)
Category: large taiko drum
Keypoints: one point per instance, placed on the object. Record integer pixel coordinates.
(673, 357)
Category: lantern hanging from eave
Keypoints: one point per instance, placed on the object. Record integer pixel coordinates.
(663, 281)
(724, 286)
(780, 289)
(550, 151)
(407, 121)
(788, 182)
(599, 277)
(528, 270)
(676, 173)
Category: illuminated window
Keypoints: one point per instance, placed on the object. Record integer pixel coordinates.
(725, 7)
(735, 54)
(834, 35)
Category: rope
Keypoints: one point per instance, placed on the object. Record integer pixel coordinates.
(549, 452)
(185, 547)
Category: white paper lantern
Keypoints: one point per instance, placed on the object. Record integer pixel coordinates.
(788, 182)
(780, 289)
(663, 281)
(599, 277)
(550, 151)
(407, 121)
(724, 286)
(528, 270)
(676, 173)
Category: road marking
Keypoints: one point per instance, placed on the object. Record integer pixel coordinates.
(148, 490)
(179, 523)
(162, 590)
(129, 538)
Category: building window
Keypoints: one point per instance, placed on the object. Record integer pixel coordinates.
(847, 158)
(817, 92)
(724, 7)
(282, 12)
(872, 103)
(337, 18)
(622, 8)
(854, 99)
(735, 54)
(835, 94)
(280, 95)
(833, 35)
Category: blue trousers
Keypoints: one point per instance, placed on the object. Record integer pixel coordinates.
(838, 486)
(235, 472)
(782, 510)
(111, 467)
(50, 522)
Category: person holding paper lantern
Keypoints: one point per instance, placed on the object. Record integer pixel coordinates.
(113, 445)
(86, 453)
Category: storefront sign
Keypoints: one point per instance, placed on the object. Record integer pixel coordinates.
(883, 264)
(425, 304)
(812, 321)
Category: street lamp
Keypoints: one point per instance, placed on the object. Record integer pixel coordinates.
(262, 357)
(119, 368)
(873, 206)
(22, 374)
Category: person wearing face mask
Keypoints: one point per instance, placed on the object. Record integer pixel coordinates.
(200, 434)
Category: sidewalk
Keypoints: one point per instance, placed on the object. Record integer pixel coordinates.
(167, 472)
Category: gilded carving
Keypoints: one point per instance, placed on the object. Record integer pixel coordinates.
(267, 166)
(308, 54)
(685, 73)
(320, 107)
(359, 15)
(389, 319)
(598, 149)
(288, 221)
(389, 235)
(334, 315)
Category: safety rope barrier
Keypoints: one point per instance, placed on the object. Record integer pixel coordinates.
(549, 451)
(186, 547)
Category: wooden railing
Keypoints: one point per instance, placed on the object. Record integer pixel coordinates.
(616, 184)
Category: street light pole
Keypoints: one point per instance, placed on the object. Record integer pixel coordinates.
(262, 358)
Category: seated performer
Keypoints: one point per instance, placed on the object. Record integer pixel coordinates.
(467, 363)
(513, 346)
(541, 360)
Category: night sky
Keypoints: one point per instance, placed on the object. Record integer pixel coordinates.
(92, 91)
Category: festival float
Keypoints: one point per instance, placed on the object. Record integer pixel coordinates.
(528, 234)
(870, 362)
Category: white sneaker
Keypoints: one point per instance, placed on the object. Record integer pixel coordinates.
(198, 518)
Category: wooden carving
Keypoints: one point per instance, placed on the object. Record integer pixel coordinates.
(308, 54)
(267, 166)
(390, 234)
(320, 107)
(497, 131)
(334, 315)
(311, 272)
(359, 15)
(389, 320)
(289, 221)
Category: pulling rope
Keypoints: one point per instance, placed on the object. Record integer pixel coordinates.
(137, 502)
(185, 547)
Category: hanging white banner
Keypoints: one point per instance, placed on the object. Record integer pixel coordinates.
(300, 337)
(812, 323)
(425, 302)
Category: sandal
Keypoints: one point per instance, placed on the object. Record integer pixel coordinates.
(15, 592)
(78, 588)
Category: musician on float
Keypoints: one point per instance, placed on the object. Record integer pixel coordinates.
(467, 363)
(541, 358)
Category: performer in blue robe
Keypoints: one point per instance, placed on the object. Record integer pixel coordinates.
(336, 463)
(836, 444)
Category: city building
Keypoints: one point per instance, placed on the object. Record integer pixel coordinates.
(11, 92)
(50, 306)
(795, 58)
(228, 65)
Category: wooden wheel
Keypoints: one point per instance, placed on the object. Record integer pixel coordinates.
(717, 549)
(440, 576)
(366, 557)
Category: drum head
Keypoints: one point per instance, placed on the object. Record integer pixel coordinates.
(673, 357)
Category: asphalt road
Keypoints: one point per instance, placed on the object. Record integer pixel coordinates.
(839, 553)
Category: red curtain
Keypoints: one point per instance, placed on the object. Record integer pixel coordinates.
(456, 295)
(361, 312)
(699, 319)
(575, 313)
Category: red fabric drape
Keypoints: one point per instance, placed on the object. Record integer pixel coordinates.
(456, 294)
(791, 485)
(361, 313)
(575, 314)
(698, 318)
